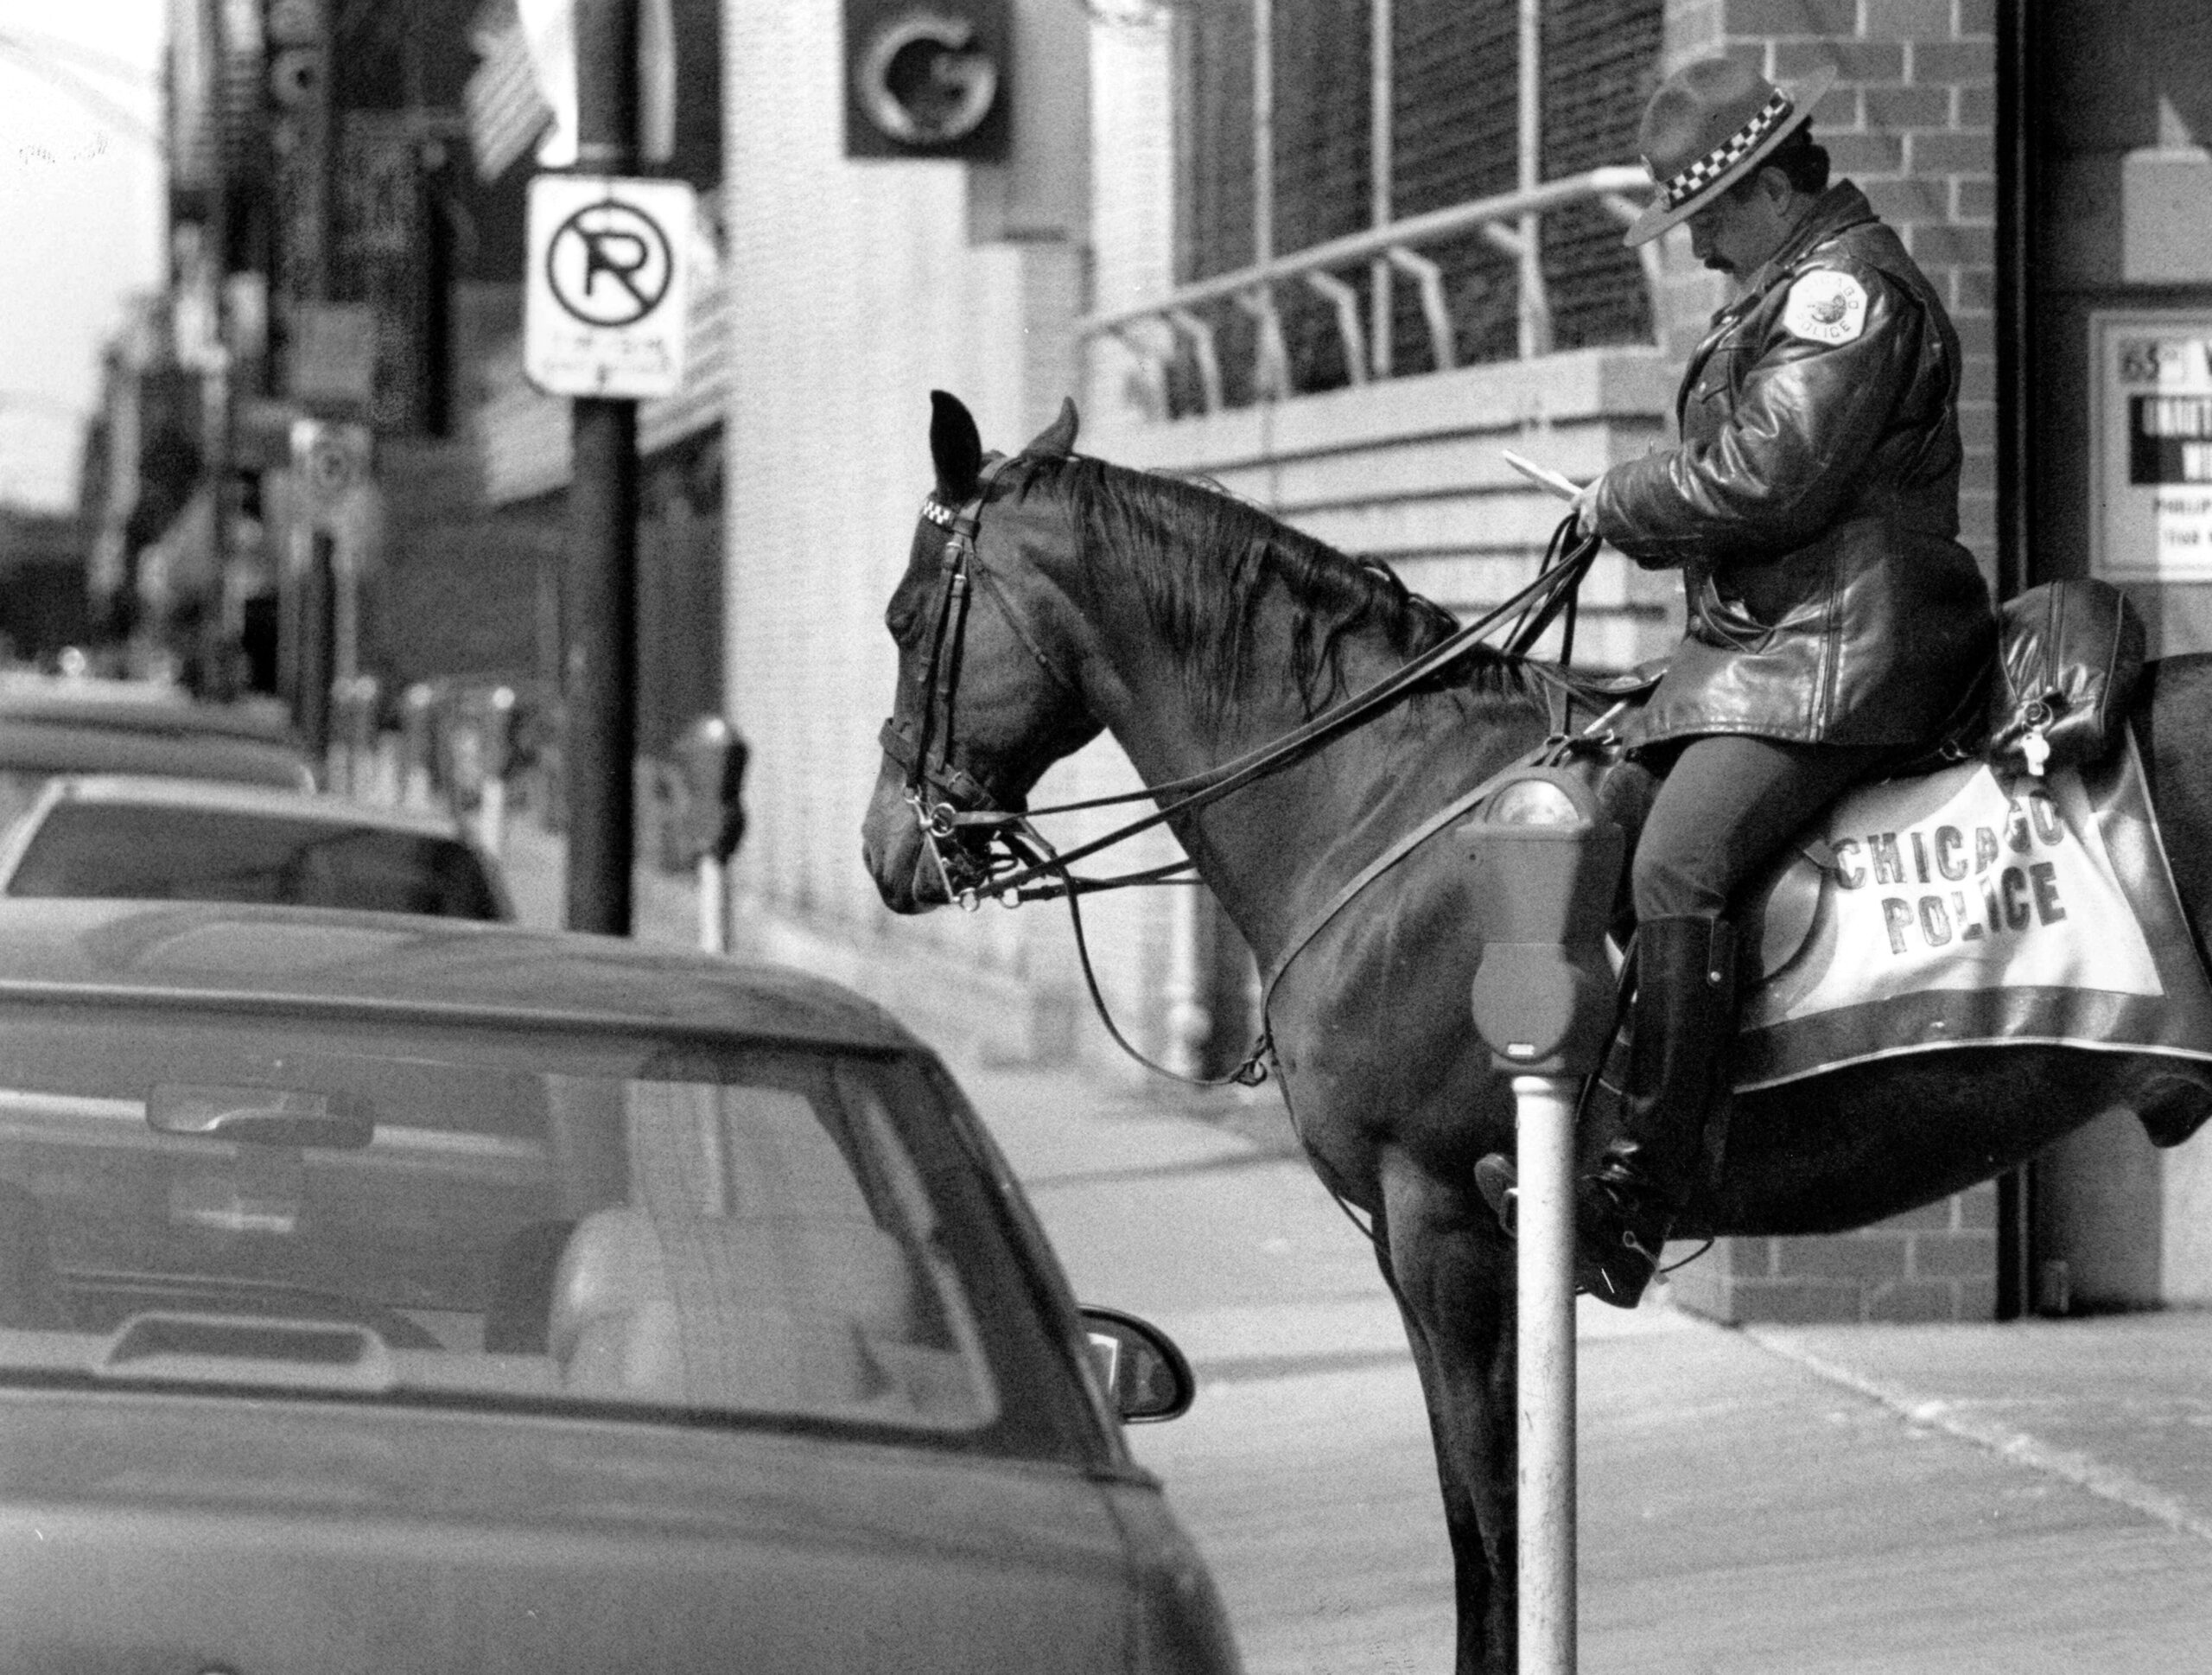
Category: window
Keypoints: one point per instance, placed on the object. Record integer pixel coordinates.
(1452, 137)
(647, 1229)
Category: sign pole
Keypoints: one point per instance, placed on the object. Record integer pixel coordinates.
(599, 663)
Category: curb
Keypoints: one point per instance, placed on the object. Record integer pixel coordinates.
(2018, 1448)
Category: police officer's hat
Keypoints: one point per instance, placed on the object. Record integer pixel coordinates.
(1709, 126)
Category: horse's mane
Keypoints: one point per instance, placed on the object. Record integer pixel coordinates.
(1205, 562)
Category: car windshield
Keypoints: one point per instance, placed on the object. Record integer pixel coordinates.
(133, 851)
(633, 1226)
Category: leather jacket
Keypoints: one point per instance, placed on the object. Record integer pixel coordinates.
(1813, 504)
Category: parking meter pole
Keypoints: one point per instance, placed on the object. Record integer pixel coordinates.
(599, 663)
(338, 758)
(714, 905)
(418, 717)
(1544, 1370)
(361, 738)
(498, 761)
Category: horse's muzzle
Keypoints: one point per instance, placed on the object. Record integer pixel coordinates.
(892, 849)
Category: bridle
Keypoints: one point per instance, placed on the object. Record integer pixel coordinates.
(937, 788)
(980, 846)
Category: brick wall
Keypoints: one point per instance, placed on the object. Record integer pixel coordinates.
(1911, 118)
(1936, 1263)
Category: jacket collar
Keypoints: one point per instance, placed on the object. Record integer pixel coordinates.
(1841, 206)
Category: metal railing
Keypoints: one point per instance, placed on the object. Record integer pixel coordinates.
(1509, 221)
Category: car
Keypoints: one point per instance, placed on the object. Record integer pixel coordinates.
(50, 726)
(385, 1293)
(129, 837)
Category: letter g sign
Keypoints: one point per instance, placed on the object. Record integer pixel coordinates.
(926, 80)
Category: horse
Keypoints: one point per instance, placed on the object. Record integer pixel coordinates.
(1194, 628)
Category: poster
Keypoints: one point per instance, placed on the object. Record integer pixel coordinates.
(2152, 382)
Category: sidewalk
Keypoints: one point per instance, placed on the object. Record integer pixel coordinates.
(2035, 1498)
(664, 906)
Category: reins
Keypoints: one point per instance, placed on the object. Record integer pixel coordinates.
(1031, 869)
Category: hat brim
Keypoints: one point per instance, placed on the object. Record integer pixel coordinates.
(1660, 216)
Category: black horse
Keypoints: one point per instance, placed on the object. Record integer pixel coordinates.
(1194, 628)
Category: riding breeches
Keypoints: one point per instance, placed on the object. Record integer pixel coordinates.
(1727, 807)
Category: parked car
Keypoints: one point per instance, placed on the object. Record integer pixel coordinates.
(382, 1293)
(50, 726)
(129, 838)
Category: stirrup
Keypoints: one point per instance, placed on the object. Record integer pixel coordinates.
(1625, 1289)
(1496, 1180)
(1616, 1276)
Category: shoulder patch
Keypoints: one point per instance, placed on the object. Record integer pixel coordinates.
(1826, 306)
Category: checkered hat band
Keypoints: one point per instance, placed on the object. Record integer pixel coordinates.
(1725, 155)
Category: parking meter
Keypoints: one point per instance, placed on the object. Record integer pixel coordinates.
(711, 758)
(1544, 864)
(500, 720)
(460, 750)
(418, 707)
(354, 701)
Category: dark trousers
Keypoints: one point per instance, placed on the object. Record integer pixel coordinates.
(1725, 808)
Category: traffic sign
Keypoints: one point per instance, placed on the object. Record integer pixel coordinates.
(604, 296)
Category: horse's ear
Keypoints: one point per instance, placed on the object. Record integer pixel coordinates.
(956, 447)
(1057, 439)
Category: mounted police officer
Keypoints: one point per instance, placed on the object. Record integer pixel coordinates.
(1836, 626)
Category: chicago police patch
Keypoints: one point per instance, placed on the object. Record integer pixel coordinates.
(1826, 306)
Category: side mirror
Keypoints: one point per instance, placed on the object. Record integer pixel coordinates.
(1144, 1374)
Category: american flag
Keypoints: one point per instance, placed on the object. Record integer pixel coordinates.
(507, 110)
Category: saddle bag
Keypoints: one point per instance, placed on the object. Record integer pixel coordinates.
(2070, 654)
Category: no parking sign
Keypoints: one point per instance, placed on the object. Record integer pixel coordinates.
(606, 296)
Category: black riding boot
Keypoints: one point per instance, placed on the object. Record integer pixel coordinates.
(1684, 1015)
(1683, 1018)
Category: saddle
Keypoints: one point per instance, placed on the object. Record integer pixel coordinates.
(1928, 909)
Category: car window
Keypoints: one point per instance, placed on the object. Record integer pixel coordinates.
(647, 1228)
(128, 851)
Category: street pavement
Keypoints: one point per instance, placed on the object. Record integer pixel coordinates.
(2027, 1498)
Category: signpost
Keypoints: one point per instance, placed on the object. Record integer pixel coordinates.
(1545, 865)
(603, 322)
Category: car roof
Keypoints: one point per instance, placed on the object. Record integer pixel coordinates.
(42, 744)
(337, 966)
(138, 706)
(166, 791)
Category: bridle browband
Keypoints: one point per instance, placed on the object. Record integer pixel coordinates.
(980, 847)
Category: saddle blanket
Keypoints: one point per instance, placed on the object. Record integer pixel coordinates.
(1971, 907)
